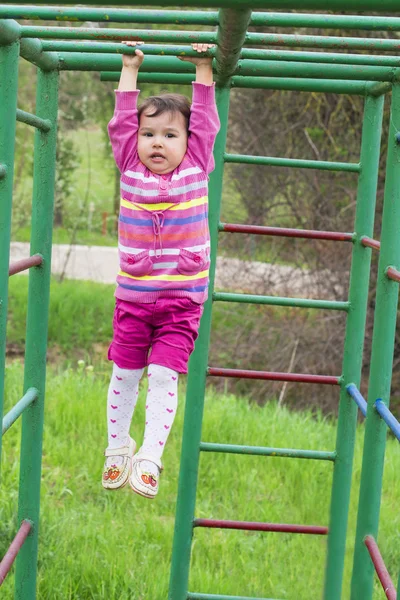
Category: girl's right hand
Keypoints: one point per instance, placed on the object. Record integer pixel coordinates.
(133, 61)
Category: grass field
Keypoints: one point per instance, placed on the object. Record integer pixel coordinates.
(117, 546)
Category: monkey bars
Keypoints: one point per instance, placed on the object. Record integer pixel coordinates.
(236, 64)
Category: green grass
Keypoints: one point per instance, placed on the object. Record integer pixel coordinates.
(117, 546)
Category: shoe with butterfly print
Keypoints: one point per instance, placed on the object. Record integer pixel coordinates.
(117, 466)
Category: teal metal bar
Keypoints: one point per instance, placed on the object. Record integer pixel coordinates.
(17, 410)
(109, 15)
(381, 366)
(3, 171)
(8, 108)
(269, 68)
(353, 346)
(302, 85)
(89, 33)
(112, 62)
(116, 48)
(178, 587)
(292, 162)
(278, 301)
(33, 120)
(262, 451)
(319, 41)
(232, 31)
(374, 23)
(319, 57)
(36, 330)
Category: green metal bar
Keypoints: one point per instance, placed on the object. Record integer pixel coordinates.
(319, 41)
(292, 162)
(258, 68)
(277, 301)
(301, 85)
(36, 330)
(108, 15)
(29, 119)
(89, 33)
(198, 17)
(31, 50)
(196, 384)
(377, 89)
(112, 62)
(8, 108)
(3, 171)
(232, 31)
(375, 23)
(116, 48)
(320, 57)
(359, 88)
(17, 410)
(353, 346)
(261, 451)
(381, 365)
(179, 78)
(334, 5)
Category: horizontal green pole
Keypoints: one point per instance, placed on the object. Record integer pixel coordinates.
(355, 5)
(55, 13)
(292, 162)
(261, 451)
(179, 79)
(10, 418)
(319, 41)
(88, 33)
(29, 119)
(375, 23)
(117, 48)
(277, 301)
(197, 17)
(302, 85)
(309, 70)
(109, 62)
(359, 88)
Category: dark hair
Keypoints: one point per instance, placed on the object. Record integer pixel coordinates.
(172, 103)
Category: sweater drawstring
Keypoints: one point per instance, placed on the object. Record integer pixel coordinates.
(158, 221)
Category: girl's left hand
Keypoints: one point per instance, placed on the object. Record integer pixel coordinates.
(200, 48)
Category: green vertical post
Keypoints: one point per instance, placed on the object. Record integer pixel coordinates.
(8, 110)
(381, 365)
(196, 385)
(353, 347)
(36, 333)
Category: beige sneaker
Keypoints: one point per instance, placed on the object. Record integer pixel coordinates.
(116, 475)
(144, 483)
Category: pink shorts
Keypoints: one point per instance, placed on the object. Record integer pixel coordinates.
(168, 328)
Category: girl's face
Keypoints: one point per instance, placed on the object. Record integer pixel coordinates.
(162, 141)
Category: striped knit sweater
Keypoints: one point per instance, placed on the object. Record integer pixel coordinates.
(163, 235)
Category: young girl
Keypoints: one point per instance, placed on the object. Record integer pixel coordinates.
(164, 153)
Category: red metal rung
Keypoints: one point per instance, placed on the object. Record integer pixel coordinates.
(313, 234)
(15, 547)
(371, 243)
(252, 526)
(393, 274)
(380, 568)
(25, 263)
(293, 377)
